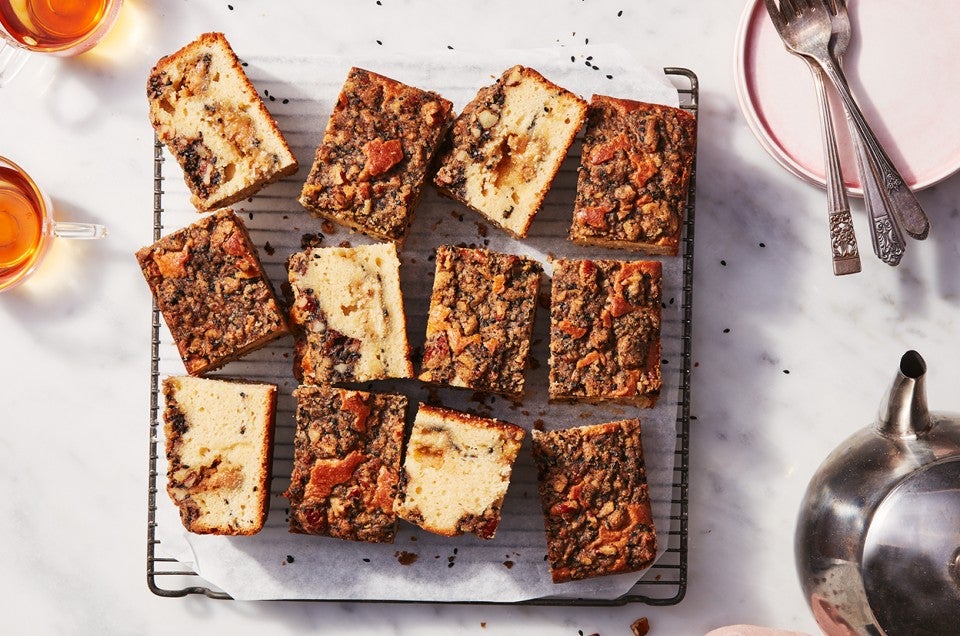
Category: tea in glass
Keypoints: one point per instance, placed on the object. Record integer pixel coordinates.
(67, 27)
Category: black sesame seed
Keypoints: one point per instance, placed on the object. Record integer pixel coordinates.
(726, 330)
(573, 59)
(449, 47)
(285, 101)
(762, 244)
(272, 98)
(230, 6)
(723, 262)
(619, 13)
(595, 67)
(366, 560)
(266, 93)
(289, 558)
(379, 42)
(609, 76)
(586, 40)
(786, 371)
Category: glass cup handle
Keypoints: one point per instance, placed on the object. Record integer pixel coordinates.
(12, 59)
(68, 229)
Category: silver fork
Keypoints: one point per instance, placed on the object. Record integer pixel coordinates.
(905, 205)
(843, 240)
(885, 232)
(805, 26)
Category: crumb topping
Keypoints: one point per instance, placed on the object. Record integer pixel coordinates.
(346, 463)
(596, 505)
(634, 175)
(605, 330)
(481, 318)
(211, 289)
(370, 168)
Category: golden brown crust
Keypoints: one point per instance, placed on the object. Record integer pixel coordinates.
(210, 286)
(634, 176)
(346, 464)
(480, 321)
(605, 331)
(510, 431)
(371, 166)
(247, 129)
(596, 505)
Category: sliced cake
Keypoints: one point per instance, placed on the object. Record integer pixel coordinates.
(346, 463)
(605, 331)
(371, 166)
(210, 287)
(481, 319)
(456, 471)
(634, 176)
(596, 506)
(219, 440)
(347, 314)
(507, 145)
(213, 122)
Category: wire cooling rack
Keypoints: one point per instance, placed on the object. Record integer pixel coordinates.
(665, 583)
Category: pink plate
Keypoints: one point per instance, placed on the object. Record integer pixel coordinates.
(902, 69)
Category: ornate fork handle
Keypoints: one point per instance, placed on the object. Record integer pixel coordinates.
(902, 201)
(843, 241)
(888, 243)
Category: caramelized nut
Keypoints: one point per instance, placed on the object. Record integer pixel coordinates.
(487, 118)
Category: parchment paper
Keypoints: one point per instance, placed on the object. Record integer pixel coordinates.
(274, 564)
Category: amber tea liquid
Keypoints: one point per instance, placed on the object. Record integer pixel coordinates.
(21, 225)
(53, 25)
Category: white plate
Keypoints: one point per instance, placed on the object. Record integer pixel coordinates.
(902, 69)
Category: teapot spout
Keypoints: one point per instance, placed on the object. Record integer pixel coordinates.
(904, 412)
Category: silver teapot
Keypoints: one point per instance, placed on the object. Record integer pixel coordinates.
(877, 543)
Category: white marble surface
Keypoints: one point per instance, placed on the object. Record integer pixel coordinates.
(789, 360)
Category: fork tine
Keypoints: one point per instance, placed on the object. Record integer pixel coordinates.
(796, 6)
(774, 11)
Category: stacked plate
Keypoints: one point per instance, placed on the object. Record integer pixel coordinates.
(897, 66)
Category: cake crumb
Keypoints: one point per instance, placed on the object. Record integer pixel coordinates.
(406, 558)
(640, 627)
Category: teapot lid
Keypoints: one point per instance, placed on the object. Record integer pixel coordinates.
(911, 553)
